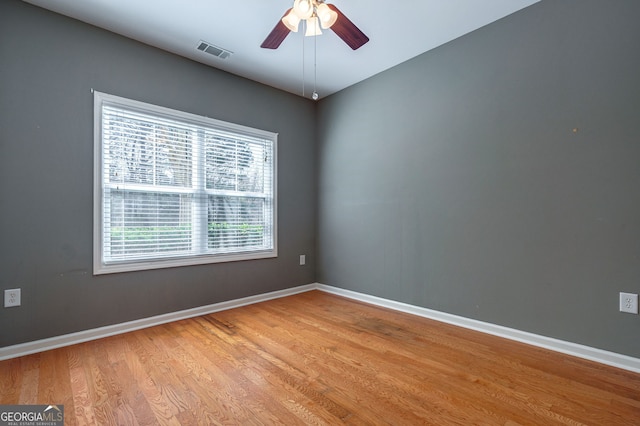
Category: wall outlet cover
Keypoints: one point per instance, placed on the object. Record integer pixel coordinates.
(629, 303)
(12, 297)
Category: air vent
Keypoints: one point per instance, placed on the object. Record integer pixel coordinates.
(214, 50)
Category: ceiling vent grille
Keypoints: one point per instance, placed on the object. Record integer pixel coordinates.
(214, 50)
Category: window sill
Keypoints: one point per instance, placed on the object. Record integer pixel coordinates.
(100, 268)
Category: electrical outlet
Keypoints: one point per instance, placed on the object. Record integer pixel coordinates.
(12, 297)
(303, 259)
(629, 303)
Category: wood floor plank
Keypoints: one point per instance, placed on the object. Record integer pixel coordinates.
(316, 358)
(11, 379)
(29, 387)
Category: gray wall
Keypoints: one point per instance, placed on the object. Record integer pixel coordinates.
(455, 182)
(48, 64)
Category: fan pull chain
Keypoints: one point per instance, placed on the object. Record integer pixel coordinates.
(315, 96)
(305, 28)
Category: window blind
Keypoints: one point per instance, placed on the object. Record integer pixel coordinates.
(180, 189)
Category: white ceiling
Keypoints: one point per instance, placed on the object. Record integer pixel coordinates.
(398, 31)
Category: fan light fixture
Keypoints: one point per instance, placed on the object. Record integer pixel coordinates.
(327, 16)
(313, 27)
(315, 15)
(315, 12)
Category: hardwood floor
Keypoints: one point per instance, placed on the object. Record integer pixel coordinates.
(316, 358)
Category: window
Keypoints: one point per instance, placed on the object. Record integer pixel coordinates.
(174, 189)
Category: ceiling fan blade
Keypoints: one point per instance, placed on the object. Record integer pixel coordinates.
(277, 35)
(347, 30)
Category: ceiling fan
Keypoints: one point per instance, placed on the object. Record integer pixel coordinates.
(316, 14)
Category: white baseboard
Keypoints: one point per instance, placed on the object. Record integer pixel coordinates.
(125, 327)
(586, 352)
(598, 355)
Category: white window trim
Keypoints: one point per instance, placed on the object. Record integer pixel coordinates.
(99, 267)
